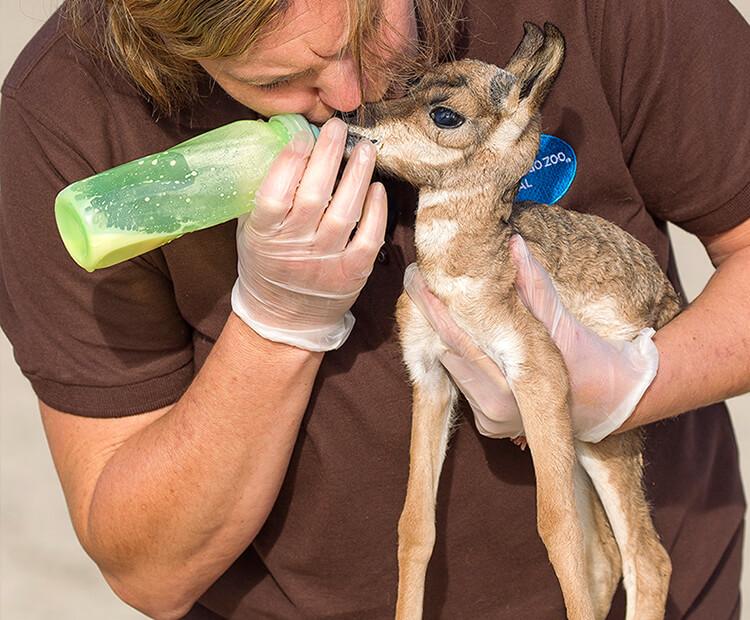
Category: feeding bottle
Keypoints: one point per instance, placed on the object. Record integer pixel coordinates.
(143, 204)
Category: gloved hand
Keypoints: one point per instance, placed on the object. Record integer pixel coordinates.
(300, 267)
(608, 378)
(476, 375)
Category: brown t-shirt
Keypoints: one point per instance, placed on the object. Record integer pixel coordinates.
(653, 98)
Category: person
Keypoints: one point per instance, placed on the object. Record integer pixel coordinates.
(214, 472)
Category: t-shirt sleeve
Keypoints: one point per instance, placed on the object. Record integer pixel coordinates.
(102, 344)
(676, 74)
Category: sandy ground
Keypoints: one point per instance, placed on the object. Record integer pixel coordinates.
(44, 573)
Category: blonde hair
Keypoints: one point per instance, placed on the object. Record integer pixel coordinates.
(158, 42)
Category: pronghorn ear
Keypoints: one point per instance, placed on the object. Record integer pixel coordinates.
(533, 39)
(535, 65)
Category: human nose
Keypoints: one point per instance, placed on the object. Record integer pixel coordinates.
(340, 86)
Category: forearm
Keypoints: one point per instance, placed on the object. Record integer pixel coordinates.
(180, 500)
(704, 353)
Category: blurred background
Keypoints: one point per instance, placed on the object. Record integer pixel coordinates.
(43, 571)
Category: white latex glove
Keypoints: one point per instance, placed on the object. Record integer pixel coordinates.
(300, 267)
(608, 378)
(476, 375)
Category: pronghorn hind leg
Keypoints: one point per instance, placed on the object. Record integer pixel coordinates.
(603, 564)
(615, 465)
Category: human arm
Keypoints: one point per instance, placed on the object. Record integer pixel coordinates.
(704, 355)
(165, 501)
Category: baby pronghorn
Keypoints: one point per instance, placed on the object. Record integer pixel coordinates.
(465, 135)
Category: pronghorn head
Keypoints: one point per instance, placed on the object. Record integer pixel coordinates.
(468, 119)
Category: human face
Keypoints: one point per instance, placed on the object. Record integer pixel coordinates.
(303, 65)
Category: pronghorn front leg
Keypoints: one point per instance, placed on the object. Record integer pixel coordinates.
(433, 402)
(541, 387)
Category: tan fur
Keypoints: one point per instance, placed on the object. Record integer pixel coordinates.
(467, 265)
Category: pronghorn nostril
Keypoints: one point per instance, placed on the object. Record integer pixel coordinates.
(351, 141)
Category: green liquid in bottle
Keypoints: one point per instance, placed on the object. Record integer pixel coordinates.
(141, 205)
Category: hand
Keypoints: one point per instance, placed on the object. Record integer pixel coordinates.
(608, 378)
(300, 268)
(476, 375)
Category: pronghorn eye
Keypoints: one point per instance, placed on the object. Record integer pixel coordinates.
(445, 118)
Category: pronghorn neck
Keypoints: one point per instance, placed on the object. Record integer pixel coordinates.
(469, 202)
(452, 223)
